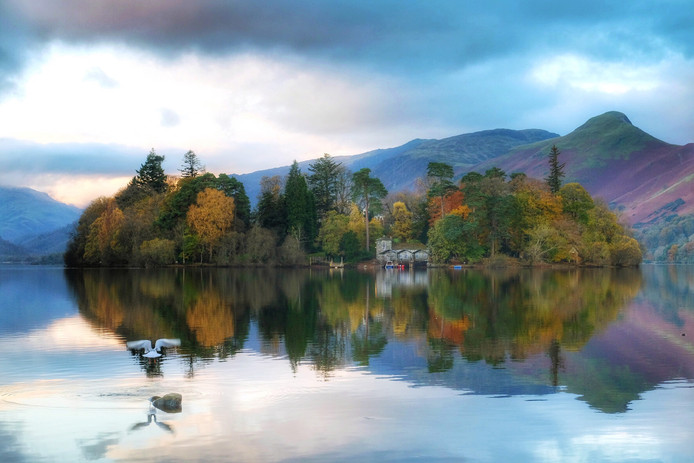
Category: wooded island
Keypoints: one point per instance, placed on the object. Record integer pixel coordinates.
(330, 213)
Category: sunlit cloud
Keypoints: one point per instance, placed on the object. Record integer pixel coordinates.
(595, 76)
(110, 94)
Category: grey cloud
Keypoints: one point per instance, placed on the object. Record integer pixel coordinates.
(388, 33)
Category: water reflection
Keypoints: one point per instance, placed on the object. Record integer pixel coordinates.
(316, 366)
(485, 332)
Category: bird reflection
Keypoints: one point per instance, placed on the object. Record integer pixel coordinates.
(146, 345)
(152, 417)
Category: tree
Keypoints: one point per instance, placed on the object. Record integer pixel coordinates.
(556, 170)
(323, 181)
(332, 229)
(211, 217)
(104, 245)
(191, 165)
(576, 202)
(441, 173)
(271, 211)
(242, 205)
(367, 191)
(75, 253)
(402, 222)
(157, 252)
(151, 175)
(301, 212)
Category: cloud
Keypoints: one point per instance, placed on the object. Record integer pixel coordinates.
(389, 33)
(169, 118)
(250, 85)
(98, 76)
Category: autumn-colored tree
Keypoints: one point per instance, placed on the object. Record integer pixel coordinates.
(75, 253)
(452, 201)
(440, 175)
(103, 242)
(356, 223)
(211, 217)
(210, 318)
(402, 222)
(333, 227)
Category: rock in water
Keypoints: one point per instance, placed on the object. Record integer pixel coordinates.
(170, 403)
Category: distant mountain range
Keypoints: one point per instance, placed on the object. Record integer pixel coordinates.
(398, 168)
(643, 177)
(33, 224)
(649, 181)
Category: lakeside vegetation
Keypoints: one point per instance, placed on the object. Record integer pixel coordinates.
(331, 213)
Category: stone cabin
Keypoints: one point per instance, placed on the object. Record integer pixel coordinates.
(401, 256)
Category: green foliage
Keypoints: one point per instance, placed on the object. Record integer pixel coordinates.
(157, 252)
(522, 218)
(368, 192)
(556, 170)
(260, 245)
(324, 183)
(191, 165)
(455, 239)
(291, 252)
(141, 226)
(271, 213)
(576, 202)
(177, 202)
(151, 175)
(301, 211)
(235, 189)
(332, 229)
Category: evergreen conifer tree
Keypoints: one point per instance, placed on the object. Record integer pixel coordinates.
(556, 170)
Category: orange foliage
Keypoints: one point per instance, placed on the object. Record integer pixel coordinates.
(452, 331)
(452, 203)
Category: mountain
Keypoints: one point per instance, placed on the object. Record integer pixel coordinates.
(399, 167)
(32, 223)
(643, 177)
(11, 252)
(648, 181)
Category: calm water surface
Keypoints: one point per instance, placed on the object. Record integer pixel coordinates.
(298, 365)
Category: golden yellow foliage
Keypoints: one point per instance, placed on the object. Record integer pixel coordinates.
(211, 216)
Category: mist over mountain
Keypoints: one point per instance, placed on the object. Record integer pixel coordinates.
(33, 224)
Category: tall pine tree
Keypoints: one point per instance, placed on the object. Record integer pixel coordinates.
(191, 165)
(556, 170)
(301, 210)
(151, 174)
(367, 191)
(323, 181)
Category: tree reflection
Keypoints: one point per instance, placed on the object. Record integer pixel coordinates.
(532, 323)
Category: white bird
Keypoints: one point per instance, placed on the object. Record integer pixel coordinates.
(146, 344)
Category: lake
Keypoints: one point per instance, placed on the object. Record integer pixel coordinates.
(433, 365)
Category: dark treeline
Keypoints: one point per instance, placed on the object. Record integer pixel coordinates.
(331, 213)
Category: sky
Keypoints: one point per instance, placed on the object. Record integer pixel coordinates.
(89, 87)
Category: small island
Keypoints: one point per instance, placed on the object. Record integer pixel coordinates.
(331, 214)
